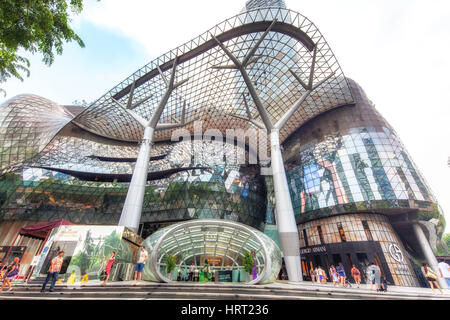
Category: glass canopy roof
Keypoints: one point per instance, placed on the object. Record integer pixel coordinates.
(221, 243)
(217, 94)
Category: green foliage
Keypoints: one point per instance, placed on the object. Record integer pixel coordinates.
(112, 243)
(248, 262)
(34, 26)
(83, 259)
(171, 263)
(446, 239)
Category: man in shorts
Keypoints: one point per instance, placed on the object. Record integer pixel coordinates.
(444, 271)
(142, 256)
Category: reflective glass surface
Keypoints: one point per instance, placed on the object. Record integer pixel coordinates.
(221, 243)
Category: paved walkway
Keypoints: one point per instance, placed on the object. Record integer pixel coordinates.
(364, 290)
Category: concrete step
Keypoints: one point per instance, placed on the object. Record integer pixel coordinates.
(202, 291)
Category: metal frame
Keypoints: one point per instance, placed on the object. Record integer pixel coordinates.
(233, 225)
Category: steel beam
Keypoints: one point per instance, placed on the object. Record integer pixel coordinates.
(132, 209)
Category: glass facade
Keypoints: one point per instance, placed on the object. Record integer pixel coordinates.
(351, 160)
(67, 181)
(27, 124)
(398, 270)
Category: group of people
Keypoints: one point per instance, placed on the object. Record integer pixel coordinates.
(56, 264)
(339, 277)
(8, 272)
(202, 273)
(375, 278)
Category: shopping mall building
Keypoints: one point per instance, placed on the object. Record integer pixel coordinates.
(331, 183)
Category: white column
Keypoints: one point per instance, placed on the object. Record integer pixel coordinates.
(287, 227)
(132, 209)
(428, 253)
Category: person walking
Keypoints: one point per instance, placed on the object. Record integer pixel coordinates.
(444, 271)
(312, 273)
(142, 259)
(341, 272)
(53, 271)
(431, 277)
(322, 275)
(371, 278)
(109, 265)
(334, 275)
(356, 274)
(205, 273)
(377, 274)
(191, 272)
(12, 270)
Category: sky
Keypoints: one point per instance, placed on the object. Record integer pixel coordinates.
(398, 51)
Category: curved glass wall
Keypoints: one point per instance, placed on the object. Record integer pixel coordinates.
(349, 160)
(27, 124)
(81, 178)
(221, 243)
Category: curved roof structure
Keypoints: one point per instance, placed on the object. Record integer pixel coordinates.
(27, 124)
(222, 243)
(293, 53)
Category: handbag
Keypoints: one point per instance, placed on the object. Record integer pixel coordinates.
(431, 275)
(103, 275)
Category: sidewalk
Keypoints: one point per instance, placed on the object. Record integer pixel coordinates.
(365, 288)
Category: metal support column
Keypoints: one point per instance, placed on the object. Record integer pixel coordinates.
(132, 209)
(287, 227)
(428, 253)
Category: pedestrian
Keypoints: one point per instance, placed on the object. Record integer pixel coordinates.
(371, 278)
(431, 277)
(341, 272)
(205, 272)
(377, 274)
(334, 275)
(316, 274)
(109, 265)
(444, 271)
(356, 274)
(142, 259)
(53, 271)
(384, 284)
(12, 270)
(312, 273)
(191, 271)
(322, 275)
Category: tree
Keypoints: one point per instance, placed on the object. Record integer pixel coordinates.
(446, 239)
(34, 26)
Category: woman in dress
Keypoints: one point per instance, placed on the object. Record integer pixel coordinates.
(12, 270)
(341, 272)
(356, 274)
(334, 276)
(431, 277)
(109, 265)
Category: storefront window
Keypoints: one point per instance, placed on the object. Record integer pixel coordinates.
(305, 236)
(341, 232)
(319, 230)
(367, 230)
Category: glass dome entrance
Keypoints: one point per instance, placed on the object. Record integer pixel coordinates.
(222, 244)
